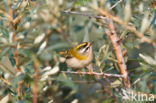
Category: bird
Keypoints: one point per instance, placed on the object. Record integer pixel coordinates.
(79, 56)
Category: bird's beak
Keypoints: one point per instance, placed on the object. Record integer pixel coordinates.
(91, 42)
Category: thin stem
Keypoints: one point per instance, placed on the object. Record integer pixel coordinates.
(36, 77)
(94, 74)
(5, 81)
(115, 4)
(12, 25)
(84, 14)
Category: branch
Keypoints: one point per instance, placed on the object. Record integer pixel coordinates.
(18, 18)
(12, 23)
(111, 33)
(94, 74)
(17, 47)
(132, 29)
(115, 4)
(4, 13)
(84, 14)
(5, 81)
(36, 76)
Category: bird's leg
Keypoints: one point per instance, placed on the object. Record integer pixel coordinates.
(90, 68)
(79, 72)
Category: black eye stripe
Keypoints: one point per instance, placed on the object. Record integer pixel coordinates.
(87, 48)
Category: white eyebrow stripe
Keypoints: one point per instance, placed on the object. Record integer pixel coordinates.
(82, 50)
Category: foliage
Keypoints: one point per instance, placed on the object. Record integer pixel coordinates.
(33, 31)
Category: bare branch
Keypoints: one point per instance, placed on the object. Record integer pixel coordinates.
(36, 76)
(5, 81)
(115, 4)
(84, 14)
(4, 13)
(111, 33)
(16, 52)
(94, 74)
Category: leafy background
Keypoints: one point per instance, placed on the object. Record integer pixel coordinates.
(42, 29)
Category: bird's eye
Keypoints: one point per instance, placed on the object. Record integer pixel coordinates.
(86, 48)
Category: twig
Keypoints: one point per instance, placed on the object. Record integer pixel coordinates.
(94, 74)
(12, 23)
(87, 15)
(18, 18)
(132, 29)
(115, 4)
(16, 52)
(84, 14)
(4, 13)
(5, 81)
(16, 61)
(136, 81)
(36, 76)
(111, 33)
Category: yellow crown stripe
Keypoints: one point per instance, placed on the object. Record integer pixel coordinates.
(81, 45)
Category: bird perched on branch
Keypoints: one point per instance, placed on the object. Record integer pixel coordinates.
(79, 56)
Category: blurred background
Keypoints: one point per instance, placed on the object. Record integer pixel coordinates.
(32, 32)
